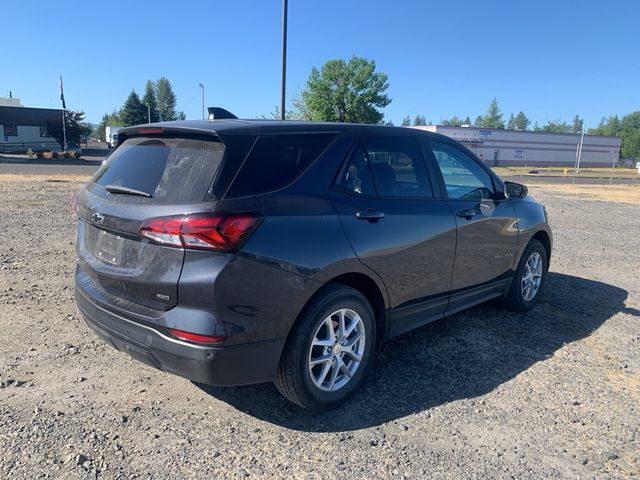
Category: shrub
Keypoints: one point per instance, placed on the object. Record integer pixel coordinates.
(55, 155)
(39, 154)
(47, 154)
(30, 153)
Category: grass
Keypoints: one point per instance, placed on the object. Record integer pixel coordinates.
(566, 171)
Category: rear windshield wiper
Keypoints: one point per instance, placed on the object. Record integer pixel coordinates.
(126, 190)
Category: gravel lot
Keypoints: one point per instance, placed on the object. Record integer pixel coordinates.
(485, 394)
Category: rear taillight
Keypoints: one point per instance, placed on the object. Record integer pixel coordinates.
(206, 231)
(196, 337)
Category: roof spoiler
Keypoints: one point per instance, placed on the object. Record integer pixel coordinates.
(216, 113)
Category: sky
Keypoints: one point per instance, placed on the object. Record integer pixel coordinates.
(550, 59)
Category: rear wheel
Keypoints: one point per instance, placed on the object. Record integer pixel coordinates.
(529, 279)
(329, 349)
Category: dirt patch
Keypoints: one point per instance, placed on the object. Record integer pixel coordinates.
(607, 193)
(486, 393)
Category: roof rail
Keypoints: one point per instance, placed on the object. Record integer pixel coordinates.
(216, 113)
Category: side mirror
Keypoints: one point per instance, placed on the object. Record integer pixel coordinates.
(515, 190)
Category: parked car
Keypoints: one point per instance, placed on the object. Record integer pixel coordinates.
(234, 252)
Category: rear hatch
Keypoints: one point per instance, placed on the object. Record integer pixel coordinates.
(152, 173)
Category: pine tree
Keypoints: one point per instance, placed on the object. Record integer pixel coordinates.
(149, 101)
(420, 120)
(166, 101)
(493, 118)
(478, 122)
(577, 125)
(522, 122)
(406, 121)
(511, 124)
(133, 111)
(466, 121)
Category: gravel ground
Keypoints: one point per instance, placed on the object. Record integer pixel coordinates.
(485, 394)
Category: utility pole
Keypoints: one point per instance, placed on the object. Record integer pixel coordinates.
(577, 170)
(284, 59)
(148, 113)
(202, 87)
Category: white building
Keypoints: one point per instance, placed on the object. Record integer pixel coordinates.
(22, 128)
(540, 149)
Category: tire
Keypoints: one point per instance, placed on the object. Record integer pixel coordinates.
(519, 298)
(304, 384)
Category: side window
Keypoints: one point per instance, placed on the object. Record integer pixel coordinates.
(276, 160)
(463, 177)
(388, 166)
(397, 166)
(356, 174)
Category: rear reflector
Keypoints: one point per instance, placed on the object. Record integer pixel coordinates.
(196, 337)
(206, 231)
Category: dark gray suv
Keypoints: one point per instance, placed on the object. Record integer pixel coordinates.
(233, 252)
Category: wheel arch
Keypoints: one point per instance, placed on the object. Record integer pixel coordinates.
(544, 238)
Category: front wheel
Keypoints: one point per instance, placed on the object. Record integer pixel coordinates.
(329, 349)
(529, 278)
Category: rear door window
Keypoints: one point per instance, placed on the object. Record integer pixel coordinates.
(388, 167)
(276, 160)
(171, 170)
(397, 166)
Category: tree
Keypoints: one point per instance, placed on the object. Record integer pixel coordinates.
(420, 120)
(275, 115)
(554, 126)
(577, 125)
(166, 101)
(75, 128)
(511, 124)
(345, 92)
(627, 127)
(466, 121)
(389, 123)
(452, 122)
(631, 145)
(493, 118)
(149, 101)
(478, 122)
(108, 120)
(133, 112)
(521, 121)
(406, 121)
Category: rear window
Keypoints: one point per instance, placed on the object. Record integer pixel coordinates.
(276, 160)
(170, 169)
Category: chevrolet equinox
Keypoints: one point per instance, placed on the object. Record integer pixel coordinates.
(233, 252)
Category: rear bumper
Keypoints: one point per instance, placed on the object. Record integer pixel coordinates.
(224, 366)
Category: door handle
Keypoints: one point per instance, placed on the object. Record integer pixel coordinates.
(369, 214)
(468, 213)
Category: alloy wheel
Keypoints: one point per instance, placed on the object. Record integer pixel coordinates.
(336, 350)
(531, 277)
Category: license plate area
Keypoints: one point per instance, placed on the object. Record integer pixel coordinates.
(109, 247)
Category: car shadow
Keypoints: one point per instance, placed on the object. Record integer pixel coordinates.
(463, 356)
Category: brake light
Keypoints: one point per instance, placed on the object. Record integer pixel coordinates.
(149, 131)
(206, 231)
(196, 337)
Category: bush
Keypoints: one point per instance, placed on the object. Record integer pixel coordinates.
(47, 154)
(30, 153)
(55, 155)
(39, 154)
